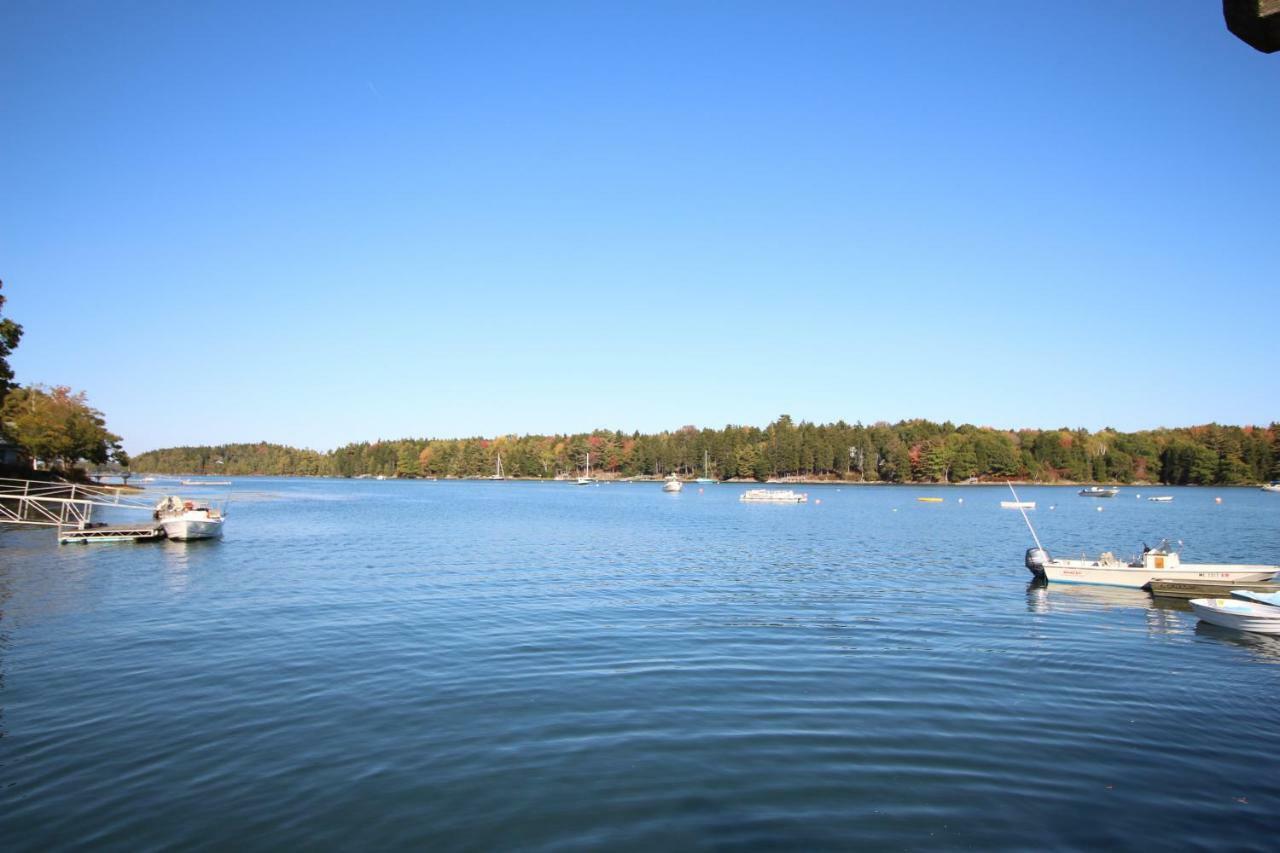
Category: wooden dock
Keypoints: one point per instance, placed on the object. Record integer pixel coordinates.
(112, 533)
(1207, 588)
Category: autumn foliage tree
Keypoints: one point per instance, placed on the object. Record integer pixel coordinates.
(58, 426)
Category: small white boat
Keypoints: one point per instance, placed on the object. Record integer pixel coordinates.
(1161, 499)
(1273, 486)
(773, 496)
(672, 484)
(1240, 615)
(1271, 598)
(1099, 492)
(498, 474)
(1018, 504)
(212, 482)
(184, 520)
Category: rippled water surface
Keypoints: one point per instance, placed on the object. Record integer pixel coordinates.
(536, 665)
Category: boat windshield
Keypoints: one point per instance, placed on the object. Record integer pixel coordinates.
(1163, 548)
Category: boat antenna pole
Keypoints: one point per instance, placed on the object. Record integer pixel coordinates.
(1022, 510)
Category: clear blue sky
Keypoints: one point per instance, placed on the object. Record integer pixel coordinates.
(319, 223)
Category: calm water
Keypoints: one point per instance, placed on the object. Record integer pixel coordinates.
(541, 666)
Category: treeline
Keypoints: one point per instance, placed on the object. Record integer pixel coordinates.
(915, 451)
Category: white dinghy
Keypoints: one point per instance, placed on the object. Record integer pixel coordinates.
(1271, 598)
(1240, 615)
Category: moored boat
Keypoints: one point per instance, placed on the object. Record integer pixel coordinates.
(929, 500)
(1017, 504)
(184, 520)
(1273, 486)
(1237, 614)
(1271, 597)
(706, 469)
(1099, 492)
(672, 483)
(775, 496)
(1161, 499)
(1161, 562)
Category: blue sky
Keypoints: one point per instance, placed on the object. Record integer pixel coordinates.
(321, 223)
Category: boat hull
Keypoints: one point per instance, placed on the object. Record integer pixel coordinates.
(1078, 571)
(1240, 615)
(183, 529)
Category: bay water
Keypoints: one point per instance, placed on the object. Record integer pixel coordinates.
(540, 666)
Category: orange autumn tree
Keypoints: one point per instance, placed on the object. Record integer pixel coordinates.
(58, 426)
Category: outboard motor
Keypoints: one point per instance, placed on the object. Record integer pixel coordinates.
(1036, 558)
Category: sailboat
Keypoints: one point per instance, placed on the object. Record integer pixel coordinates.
(706, 469)
(498, 474)
(585, 479)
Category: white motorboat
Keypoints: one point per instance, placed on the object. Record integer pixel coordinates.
(1273, 486)
(1161, 499)
(672, 483)
(1018, 504)
(773, 496)
(1240, 615)
(1159, 563)
(184, 520)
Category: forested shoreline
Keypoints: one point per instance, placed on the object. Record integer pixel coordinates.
(914, 451)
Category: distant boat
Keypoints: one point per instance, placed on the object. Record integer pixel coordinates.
(706, 469)
(1273, 486)
(1161, 499)
(1018, 504)
(209, 482)
(498, 475)
(773, 496)
(672, 483)
(1099, 492)
(585, 479)
(1240, 615)
(930, 500)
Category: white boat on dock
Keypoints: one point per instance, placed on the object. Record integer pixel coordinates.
(1240, 615)
(185, 520)
(773, 496)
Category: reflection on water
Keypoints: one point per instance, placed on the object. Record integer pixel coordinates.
(1161, 615)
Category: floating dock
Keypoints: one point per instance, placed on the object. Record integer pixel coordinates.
(112, 533)
(1207, 588)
